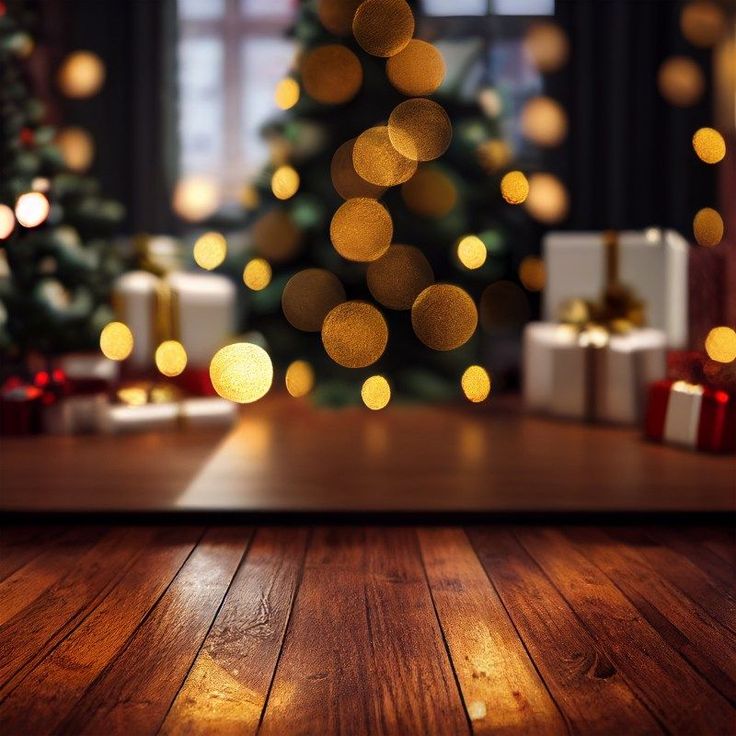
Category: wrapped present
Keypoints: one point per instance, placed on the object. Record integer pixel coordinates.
(135, 299)
(202, 314)
(79, 413)
(691, 415)
(652, 263)
(591, 373)
(20, 408)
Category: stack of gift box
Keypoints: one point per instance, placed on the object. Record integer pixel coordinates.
(87, 393)
(613, 346)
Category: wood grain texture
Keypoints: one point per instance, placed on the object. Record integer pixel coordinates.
(31, 634)
(591, 692)
(681, 699)
(286, 455)
(226, 689)
(684, 625)
(502, 690)
(19, 545)
(133, 695)
(39, 703)
(363, 652)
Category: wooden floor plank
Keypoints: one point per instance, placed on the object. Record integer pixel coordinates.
(502, 690)
(48, 694)
(363, 652)
(718, 600)
(133, 695)
(226, 689)
(19, 545)
(55, 560)
(684, 625)
(680, 698)
(30, 635)
(591, 693)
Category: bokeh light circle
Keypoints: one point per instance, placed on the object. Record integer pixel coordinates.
(417, 70)
(348, 184)
(116, 341)
(476, 383)
(31, 209)
(444, 317)
(383, 27)
(337, 15)
(547, 46)
(171, 358)
(532, 273)
(257, 274)
(376, 160)
(354, 334)
(514, 187)
(544, 121)
(299, 378)
(284, 182)
(275, 236)
(547, 201)
(709, 145)
(430, 193)
(361, 230)
(703, 23)
(471, 252)
(287, 93)
(720, 344)
(399, 276)
(81, 75)
(420, 129)
(241, 372)
(77, 148)
(680, 81)
(195, 198)
(7, 221)
(375, 392)
(708, 227)
(331, 74)
(210, 250)
(309, 295)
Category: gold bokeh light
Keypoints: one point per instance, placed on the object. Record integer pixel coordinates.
(299, 378)
(514, 187)
(703, 23)
(331, 74)
(680, 81)
(195, 198)
(383, 27)
(210, 250)
(308, 296)
(709, 145)
(287, 93)
(532, 273)
(7, 221)
(257, 274)
(31, 209)
(77, 148)
(348, 184)
(476, 383)
(720, 344)
(708, 227)
(420, 129)
(354, 334)
(430, 193)
(284, 182)
(547, 201)
(361, 230)
(241, 372)
(378, 162)
(337, 15)
(444, 317)
(399, 276)
(171, 358)
(376, 392)
(275, 236)
(471, 252)
(547, 46)
(417, 70)
(116, 341)
(544, 121)
(81, 75)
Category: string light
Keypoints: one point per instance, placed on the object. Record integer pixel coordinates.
(514, 187)
(81, 75)
(354, 334)
(7, 221)
(241, 372)
(532, 273)
(257, 274)
(116, 341)
(210, 250)
(77, 148)
(361, 230)
(171, 358)
(383, 27)
(287, 93)
(476, 383)
(709, 145)
(472, 252)
(299, 378)
(375, 392)
(284, 182)
(31, 209)
(708, 227)
(720, 344)
(195, 198)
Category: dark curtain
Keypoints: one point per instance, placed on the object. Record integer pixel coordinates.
(133, 118)
(628, 159)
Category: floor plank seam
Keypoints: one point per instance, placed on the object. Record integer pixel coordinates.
(292, 603)
(442, 633)
(251, 536)
(54, 539)
(562, 713)
(103, 672)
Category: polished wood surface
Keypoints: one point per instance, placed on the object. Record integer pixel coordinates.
(285, 455)
(382, 630)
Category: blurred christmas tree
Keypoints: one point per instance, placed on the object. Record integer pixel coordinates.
(56, 259)
(341, 145)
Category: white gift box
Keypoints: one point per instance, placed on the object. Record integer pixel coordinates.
(135, 299)
(571, 374)
(203, 313)
(83, 414)
(653, 263)
(195, 413)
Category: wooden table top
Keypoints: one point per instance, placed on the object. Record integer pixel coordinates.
(367, 630)
(285, 455)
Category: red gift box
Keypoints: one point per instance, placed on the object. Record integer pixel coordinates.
(692, 415)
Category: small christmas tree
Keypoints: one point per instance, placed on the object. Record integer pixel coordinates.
(56, 258)
(449, 210)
